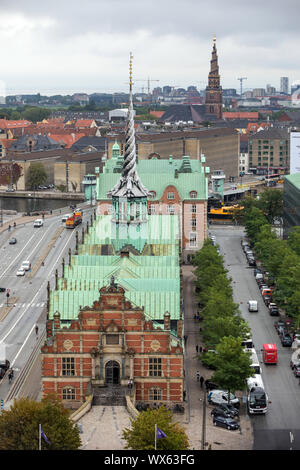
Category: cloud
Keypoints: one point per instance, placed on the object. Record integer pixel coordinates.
(72, 45)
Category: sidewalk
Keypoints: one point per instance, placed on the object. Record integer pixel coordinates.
(216, 438)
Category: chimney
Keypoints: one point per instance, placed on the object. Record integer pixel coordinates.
(167, 325)
(56, 318)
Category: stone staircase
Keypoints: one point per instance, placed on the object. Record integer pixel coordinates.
(109, 395)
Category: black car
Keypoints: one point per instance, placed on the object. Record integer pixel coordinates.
(296, 370)
(2, 289)
(210, 385)
(286, 340)
(221, 412)
(228, 408)
(12, 241)
(227, 423)
(251, 262)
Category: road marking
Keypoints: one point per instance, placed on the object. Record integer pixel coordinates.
(42, 287)
(17, 257)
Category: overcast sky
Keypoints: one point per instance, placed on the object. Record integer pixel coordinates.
(68, 46)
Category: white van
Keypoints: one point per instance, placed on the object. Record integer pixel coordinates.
(26, 265)
(252, 306)
(38, 223)
(217, 397)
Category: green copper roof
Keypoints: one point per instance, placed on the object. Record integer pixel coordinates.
(185, 174)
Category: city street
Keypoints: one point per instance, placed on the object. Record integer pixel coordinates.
(28, 294)
(280, 428)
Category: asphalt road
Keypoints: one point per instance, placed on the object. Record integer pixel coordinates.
(280, 427)
(17, 330)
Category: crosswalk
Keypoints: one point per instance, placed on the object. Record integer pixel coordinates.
(29, 304)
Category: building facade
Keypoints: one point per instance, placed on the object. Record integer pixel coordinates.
(269, 149)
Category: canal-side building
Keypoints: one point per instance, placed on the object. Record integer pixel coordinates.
(116, 314)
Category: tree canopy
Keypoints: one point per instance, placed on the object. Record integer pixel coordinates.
(141, 435)
(19, 426)
(37, 175)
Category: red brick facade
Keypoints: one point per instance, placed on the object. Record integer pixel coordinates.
(113, 342)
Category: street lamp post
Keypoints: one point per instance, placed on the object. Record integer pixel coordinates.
(203, 420)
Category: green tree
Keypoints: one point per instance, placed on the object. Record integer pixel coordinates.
(19, 426)
(141, 435)
(271, 203)
(233, 365)
(35, 113)
(37, 175)
(294, 240)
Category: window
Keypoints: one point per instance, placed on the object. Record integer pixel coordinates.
(171, 196)
(68, 393)
(193, 194)
(193, 209)
(170, 209)
(152, 194)
(193, 223)
(193, 240)
(152, 209)
(155, 394)
(68, 366)
(155, 367)
(112, 339)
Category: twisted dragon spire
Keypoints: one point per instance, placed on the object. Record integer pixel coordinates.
(129, 184)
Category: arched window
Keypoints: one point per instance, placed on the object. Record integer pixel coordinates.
(68, 393)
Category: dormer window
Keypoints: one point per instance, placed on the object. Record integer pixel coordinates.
(193, 194)
(152, 194)
(171, 195)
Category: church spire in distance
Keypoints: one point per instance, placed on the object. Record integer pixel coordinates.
(213, 99)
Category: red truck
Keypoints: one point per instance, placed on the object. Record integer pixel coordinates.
(270, 353)
(74, 220)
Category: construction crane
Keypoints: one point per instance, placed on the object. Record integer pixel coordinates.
(241, 80)
(148, 81)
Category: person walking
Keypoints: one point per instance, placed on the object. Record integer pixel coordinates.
(200, 349)
(10, 375)
(198, 375)
(197, 348)
(201, 381)
(184, 395)
(36, 330)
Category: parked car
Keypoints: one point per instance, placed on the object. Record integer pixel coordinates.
(296, 370)
(251, 262)
(228, 408)
(267, 299)
(211, 385)
(278, 324)
(282, 330)
(12, 241)
(274, 312)
(227, 423)
(257, 271)
(221, 412)
(2, 289)
(221, 396)
(20, 272)
(286, 340)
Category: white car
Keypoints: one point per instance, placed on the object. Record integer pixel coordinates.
(21, 272)
(65, 217)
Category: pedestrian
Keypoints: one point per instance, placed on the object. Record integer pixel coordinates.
(206, 384)
(10, 375)
(185, 339)
(198, 375)
(36, 330)
(201, 381)
(197, 348)
(129, 383)
(184, 395)
(200, 349)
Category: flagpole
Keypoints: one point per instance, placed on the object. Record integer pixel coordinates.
(155, 434)
(40, 438)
